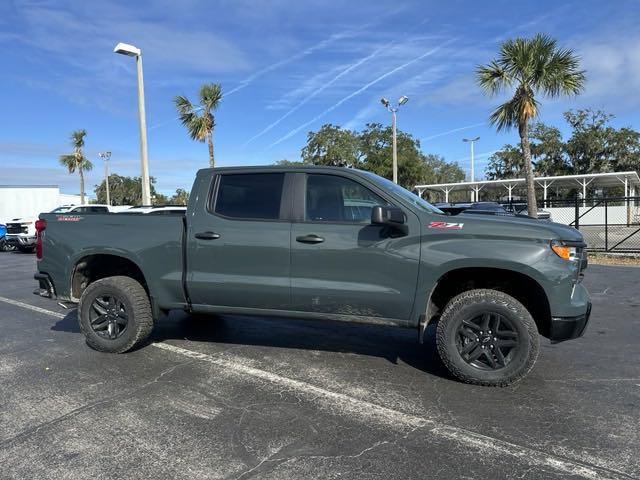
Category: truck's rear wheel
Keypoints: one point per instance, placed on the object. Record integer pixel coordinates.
(487, 337)
(115, 314)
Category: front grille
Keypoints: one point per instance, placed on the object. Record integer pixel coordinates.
(14, 228)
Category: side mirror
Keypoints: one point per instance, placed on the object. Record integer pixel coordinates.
(389, 216)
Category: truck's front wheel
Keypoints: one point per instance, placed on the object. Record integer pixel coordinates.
(115, 314)
(487, 337)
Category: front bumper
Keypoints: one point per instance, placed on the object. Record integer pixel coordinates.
(567, 328)
(20, 240)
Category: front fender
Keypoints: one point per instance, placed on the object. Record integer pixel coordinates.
(530, 257)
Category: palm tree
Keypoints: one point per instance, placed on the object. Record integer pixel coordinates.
(76, 160)
(200, 127)
(532, 67)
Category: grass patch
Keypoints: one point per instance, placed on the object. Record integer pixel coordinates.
(627, 259)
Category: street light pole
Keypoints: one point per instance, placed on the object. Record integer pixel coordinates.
(106, 156)
(395, 146)
(131, 51)
(473, 178)
(394, 109)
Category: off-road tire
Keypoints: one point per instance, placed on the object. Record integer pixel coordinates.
(474, 302)
(136, 302)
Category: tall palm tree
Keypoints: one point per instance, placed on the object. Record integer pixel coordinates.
(533, 67)
(200, 126)
(76, 160)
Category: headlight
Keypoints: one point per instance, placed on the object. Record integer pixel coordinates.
(564, 251)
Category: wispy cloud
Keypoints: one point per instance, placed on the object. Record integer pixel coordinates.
(74, 50)
(359, 91)
(454, 130)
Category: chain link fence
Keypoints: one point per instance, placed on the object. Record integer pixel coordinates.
(609, 224)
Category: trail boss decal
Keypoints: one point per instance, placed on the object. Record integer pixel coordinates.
(446, 225)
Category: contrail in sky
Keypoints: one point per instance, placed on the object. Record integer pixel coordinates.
(324, 43)
(359, 91)
(251, 78)
(162, 124)
(320, 90)
(477, 156)
(448, 132)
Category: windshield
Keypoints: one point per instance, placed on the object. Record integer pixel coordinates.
(404, 193)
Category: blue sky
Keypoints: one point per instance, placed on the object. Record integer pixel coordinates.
(287, 67)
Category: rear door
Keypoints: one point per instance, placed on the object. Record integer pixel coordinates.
(340, 263)
(239, 244)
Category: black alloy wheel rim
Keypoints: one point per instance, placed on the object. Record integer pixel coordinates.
(108, 317)
(488, 341)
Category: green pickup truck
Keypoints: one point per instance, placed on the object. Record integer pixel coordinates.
(324, 243)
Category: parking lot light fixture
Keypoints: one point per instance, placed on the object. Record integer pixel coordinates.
(394, 109)
(472, 141)
(106, 156)
(131, 51)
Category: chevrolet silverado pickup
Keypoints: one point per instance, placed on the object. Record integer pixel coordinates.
(323, 243)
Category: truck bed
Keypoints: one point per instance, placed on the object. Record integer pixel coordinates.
(152, 242)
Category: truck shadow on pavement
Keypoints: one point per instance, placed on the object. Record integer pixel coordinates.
(392, 344)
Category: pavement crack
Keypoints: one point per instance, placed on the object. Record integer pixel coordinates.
(83, 408)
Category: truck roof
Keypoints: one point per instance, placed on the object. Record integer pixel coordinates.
(277, 168)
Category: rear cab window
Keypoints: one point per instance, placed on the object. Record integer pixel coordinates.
(90, 209)
(249, 196)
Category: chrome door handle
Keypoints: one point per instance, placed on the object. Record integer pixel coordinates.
(309, 239)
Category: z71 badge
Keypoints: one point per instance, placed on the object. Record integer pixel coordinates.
(446, 225)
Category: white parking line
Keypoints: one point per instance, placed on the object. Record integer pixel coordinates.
(346, 404)
(32, 307)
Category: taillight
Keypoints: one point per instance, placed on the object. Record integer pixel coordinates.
(41, 226)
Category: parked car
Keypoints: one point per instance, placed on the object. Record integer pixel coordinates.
(157, 209)
(287, 242)
(3, 232)
(491, 208)
(521, 209)
(91, 208)
(21, 232)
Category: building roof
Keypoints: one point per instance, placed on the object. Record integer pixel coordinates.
(609, 179)
(29, 186)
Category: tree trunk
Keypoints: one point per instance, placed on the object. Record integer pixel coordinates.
(210, 140)
(81, 184)
(532, 207)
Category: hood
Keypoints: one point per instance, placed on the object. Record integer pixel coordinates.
(22, 220)
(513, 226)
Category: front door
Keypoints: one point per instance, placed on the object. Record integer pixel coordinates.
(340, 263)
(238, 245)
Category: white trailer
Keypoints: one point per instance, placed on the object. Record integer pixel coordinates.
(28, 201)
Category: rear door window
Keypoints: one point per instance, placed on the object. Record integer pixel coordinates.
(250, 196)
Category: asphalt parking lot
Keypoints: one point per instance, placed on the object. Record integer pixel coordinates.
(236, 398)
